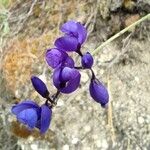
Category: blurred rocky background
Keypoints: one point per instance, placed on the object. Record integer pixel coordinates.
(29, 27)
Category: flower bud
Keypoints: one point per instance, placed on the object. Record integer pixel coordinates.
(39, 86)
(99, 92)
(87, 60)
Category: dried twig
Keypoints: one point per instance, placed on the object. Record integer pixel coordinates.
(109, 112)
(117, 58)
(120, 33)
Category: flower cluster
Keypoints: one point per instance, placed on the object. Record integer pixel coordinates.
(66, 78)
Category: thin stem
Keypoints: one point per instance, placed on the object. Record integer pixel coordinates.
(79, 67)
(56, 95)
(51, 104)
(50, 100)
(93, 74)
(79, 52)
(120, 33)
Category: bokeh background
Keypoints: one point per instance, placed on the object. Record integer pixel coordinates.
(29, 27)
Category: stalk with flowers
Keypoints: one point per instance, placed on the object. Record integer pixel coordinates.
(66, 78)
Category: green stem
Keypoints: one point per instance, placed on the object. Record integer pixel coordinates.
(120, 33)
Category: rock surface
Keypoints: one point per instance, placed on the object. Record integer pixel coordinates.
(78, 122)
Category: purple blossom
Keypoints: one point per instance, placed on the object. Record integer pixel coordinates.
(87, 60)
(30, 114)
(69, 62)
(75, 35)
(66, 79)
(67, 43)
(75, 29)
(39, 86)
(56, 58)
(44, 118)
(99, 92)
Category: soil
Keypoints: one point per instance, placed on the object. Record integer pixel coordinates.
(28, 28)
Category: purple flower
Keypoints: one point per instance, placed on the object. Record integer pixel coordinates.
(66, 79)
(75, 29)
(99, 92)
(55, 58)
(87, 60)
(39, 86)
(69, 62)
(44, 118)
(30, 114)
(75, 35)
(67, 43)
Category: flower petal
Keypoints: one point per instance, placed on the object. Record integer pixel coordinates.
(23, 105)
(73, 78)
(75, 29)
(55, 57)
(46, 114)
(72, 85)
(69, 62)
(66, 79)
(67, 43)
(56, 78)
(39, 86)
(69, 28)
(82, 33)
(99, 92)
(28, 117)
(68, 73)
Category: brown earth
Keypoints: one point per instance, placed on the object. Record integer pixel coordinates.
(28, 28)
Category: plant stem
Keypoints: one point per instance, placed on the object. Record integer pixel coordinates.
(51, 104)
(79, 67)
(79, 52)
(93, 74)
(120, 33)
(56, 95)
